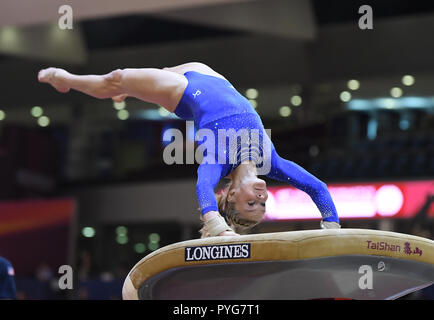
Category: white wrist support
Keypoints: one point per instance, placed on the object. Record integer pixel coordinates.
(216, 225)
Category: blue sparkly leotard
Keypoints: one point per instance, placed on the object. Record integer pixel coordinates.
(214, 104)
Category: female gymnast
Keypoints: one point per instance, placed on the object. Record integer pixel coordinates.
(195, 91)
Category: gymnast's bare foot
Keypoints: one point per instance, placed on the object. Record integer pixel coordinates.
(56, 77)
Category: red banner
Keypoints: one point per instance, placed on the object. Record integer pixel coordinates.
(403, 199)
(33, 232)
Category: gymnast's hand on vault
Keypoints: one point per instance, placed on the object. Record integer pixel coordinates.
(215, 225)
(330, 225)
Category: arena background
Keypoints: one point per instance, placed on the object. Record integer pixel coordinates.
(83, 182)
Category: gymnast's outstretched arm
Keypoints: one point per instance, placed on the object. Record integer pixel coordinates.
(289, 172)
(208, 176)
(158, 86)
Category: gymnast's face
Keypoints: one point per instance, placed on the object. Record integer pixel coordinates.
(250, 197)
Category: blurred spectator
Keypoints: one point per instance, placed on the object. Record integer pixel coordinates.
(121, 271)
(7, 282)
(83, 294)
(21, 295)
(85, 266)
(44, 273)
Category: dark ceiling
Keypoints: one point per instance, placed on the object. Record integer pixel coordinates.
(341, 11)
(139, 30)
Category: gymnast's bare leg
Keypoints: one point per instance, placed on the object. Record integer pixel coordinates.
(151, 85)
(164, 87)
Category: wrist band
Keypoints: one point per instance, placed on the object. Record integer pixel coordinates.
(216, 225)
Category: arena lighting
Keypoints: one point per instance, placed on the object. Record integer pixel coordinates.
(119, 105)
(407, 80)
(122, 239)
(417, 102)
(154, 237)
(396, 92)
(389, 103)
(296, 100)
(43, 121)
(353, 84)
(123, 114)
(285, 111)
(153, 246)
(372, 129)
(398, 103)
(36, 111)
(140, 247)
(2, 115)
(121, 230)
(88, 232)
(368, 200)
(252, 93)
(404, 124)
(345, 96)
(154, 241)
